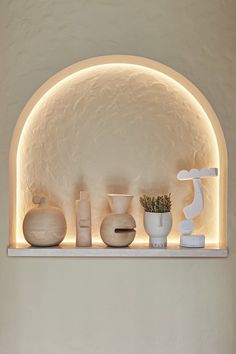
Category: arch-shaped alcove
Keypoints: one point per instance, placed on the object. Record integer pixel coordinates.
(117, 124)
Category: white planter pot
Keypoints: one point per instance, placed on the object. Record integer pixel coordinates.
(158, 226)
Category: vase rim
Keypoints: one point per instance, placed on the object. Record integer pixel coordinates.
(154, 212)
(119, 195)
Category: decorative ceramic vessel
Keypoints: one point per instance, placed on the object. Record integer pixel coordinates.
(118, 228)
(44, 225)
(195, 208)
(83, 221)
(158, 226)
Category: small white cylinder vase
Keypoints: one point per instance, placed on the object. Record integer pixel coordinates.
(158, 226)
(83, 221)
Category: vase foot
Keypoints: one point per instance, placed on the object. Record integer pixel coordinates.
(157, 244)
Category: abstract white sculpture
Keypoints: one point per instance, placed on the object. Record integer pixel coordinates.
(194, 209)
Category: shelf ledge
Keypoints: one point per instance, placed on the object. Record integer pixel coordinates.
(137, 250)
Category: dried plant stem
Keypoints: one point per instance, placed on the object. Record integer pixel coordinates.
(158, 204)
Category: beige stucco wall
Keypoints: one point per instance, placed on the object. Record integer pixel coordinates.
(116, 306)
(122, 129)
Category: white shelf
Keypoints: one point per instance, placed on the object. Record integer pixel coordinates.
(99, 250)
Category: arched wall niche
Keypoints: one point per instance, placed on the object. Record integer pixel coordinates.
(117, 124)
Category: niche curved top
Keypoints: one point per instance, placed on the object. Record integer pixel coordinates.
(117, 124)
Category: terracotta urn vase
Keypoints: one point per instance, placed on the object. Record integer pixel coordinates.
(118, 228)
(44, 225)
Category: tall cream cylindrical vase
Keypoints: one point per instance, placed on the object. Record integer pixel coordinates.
(158, 226)
(83, 221)
(44, 225)
(118, 228)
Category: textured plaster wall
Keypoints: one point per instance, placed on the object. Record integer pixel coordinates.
(131, 305)
(117, 129)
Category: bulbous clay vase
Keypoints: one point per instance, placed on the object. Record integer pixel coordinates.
(118, 228)
(44, 225)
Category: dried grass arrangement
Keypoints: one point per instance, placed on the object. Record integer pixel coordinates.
(156, 204)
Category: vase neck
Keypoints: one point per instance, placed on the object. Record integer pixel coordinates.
(40, 201)
(119, 203)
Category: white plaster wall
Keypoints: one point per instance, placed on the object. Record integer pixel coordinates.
(129, 305)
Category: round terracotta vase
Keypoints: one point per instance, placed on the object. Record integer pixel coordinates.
(158, 226)
(44, 225)
(118, 228)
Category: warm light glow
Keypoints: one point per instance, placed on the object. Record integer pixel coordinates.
(153, 75)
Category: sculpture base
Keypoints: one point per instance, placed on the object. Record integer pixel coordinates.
(192, 241)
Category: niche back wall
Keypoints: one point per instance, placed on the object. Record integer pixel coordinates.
(117, 128)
